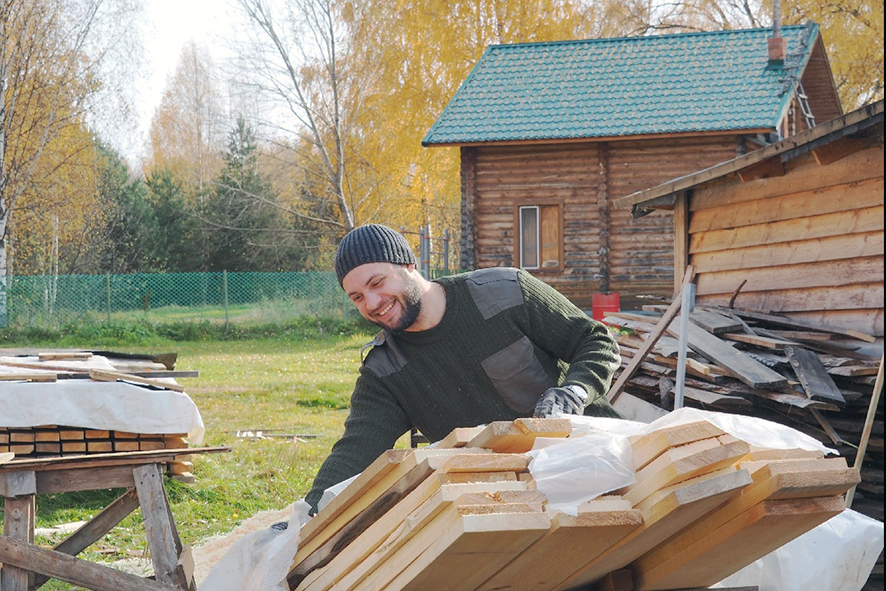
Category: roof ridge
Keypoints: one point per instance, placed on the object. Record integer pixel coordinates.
(642, 38)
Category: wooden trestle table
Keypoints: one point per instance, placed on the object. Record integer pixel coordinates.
(25, 566)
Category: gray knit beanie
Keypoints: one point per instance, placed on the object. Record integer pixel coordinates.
(372, 243)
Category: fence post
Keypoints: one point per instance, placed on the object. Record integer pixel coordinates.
(225, 292)
(446, 252)
(108, 293)
(425, 251)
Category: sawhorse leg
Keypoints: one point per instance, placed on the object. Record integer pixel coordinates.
(163, 540)
(19, 490)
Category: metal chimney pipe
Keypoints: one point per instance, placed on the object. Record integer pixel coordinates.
(776, 19)
(778, 46)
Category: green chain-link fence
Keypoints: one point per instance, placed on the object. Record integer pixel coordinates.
(239, 297)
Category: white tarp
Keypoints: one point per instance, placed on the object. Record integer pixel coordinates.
(837, 555)
(107, 406)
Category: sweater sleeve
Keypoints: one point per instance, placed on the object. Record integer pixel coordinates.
(374, 424)
(563, 330)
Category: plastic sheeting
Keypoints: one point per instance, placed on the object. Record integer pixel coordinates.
(107, 406)
(835, 556)
(259, 561)
(838, 555)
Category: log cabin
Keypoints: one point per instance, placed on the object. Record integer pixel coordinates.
(551, 133)
(795, 228)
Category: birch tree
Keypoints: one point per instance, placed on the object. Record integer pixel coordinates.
(302, 63)
(50, 72)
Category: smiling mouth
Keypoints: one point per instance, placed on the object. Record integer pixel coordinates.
(387, 309)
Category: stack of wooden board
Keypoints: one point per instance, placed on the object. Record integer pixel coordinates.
(47, 441)
(816, 379)
(467, 515)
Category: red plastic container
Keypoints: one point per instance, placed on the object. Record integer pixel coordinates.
(603, 303)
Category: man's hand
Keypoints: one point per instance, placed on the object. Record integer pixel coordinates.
(569, 399)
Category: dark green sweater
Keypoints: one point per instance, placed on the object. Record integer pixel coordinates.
(504, 339)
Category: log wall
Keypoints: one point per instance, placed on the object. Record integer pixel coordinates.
(809, 244)
(605, 249)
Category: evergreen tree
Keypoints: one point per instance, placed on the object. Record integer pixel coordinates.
(247, 228)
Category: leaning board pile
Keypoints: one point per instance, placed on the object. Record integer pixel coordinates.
(467, 515)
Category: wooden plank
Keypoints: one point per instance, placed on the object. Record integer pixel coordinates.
(661, 521)
(79, 479)
(375, 472)
(352, 564)
(660, 329)
(470, 551)
(837, 150)
(682, 463)
(390, 503)
(72, 570)
(735, 363)
(17, 484)
(163, 539)
(813, 376)
(646, 448)
(95, 528)
(690, 562)
(28, 377)
(567, 546)
(791, 206)
(519, 436)
(112, 459)
(713, 399)
(843, 273)
(759, 341)
(794, 323)
(459, 437)
(783, 454)
(806, 177)
(70, 355)
(487, 462)
(113, 376)
(805, 250)
(404, 546)
(776, 232)
(775, 480)
(714, 323)
(366, 498)
(18, 525)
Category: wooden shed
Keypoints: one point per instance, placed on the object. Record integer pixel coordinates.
(552, 133)
(794, 228)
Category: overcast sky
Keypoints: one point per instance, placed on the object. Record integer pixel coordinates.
(169, 25)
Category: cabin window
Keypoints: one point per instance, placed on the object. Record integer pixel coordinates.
(540, 244)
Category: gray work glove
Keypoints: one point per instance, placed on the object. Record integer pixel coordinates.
(569, 399)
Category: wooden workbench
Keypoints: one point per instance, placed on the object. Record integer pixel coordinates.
(26, 566)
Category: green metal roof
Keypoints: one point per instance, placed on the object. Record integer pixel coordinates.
(695, 82)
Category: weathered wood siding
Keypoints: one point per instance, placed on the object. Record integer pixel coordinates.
(605, 249)
(809, 243)
(642, 249)
(500, 179)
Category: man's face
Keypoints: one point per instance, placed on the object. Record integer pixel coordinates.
(385, 294)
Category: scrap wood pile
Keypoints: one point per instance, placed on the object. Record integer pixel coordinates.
(61, 366)
(468, 515)
(816, 379)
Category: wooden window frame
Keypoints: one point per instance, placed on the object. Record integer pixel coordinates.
(518, 232)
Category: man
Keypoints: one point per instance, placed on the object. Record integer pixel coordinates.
(494, 344)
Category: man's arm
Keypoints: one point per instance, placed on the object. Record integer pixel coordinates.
(374, 424)
(561, 328)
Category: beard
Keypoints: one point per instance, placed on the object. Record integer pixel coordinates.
(410, 302)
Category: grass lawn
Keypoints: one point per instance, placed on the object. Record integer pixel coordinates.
(293, 388)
